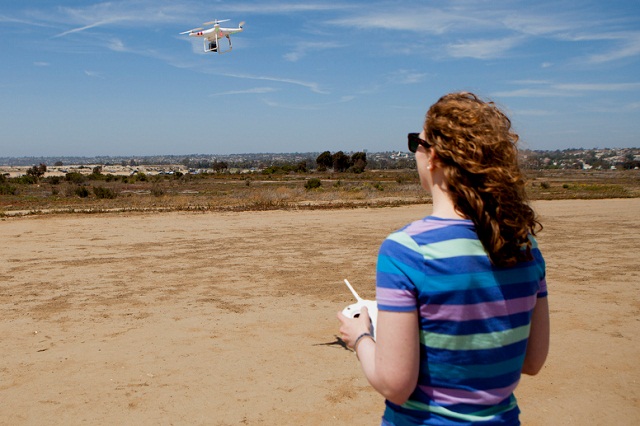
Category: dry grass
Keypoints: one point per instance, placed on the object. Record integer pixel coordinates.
(260, 192)
(581, 184)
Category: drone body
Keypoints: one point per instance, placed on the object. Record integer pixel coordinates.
(211, 36)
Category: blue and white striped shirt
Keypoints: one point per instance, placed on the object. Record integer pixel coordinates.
(474, 321)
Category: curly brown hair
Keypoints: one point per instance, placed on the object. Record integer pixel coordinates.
(477, 149)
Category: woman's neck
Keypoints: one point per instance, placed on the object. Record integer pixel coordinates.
(443, 206)
(445, 209)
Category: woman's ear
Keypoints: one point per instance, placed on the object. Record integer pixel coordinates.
(432, 159)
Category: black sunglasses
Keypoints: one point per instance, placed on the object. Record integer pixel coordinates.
(415, 141)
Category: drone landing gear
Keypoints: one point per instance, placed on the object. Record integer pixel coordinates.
(214, 46)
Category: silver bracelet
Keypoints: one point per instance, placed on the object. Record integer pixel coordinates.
(360, 337)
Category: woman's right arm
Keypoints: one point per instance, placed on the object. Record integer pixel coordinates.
(391, 364)
(538, 345)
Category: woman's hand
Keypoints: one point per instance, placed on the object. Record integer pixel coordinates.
(391, 363)
(351, 328)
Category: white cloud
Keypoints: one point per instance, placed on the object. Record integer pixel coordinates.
(628, 46)
(282, 8)
(597, 87)
(93, 74)
(483, 49)
(24, 22)
(318, 106)
(548, 89)
(407, 77)
(147, 13)
(314, 87)
(83, 28)
(500, 28)
(116, 45)
(141, 13)
(535, 82)
(304, 47)
(538, 24)
(534, 112)
(258, 90)
(530, 93)
(416, 19)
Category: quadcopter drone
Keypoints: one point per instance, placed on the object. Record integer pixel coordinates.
(212, 35)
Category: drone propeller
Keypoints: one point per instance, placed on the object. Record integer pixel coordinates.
(241, 24)
(215, 22)
(191, 31)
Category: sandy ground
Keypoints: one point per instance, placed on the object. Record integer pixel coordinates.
(225, 319)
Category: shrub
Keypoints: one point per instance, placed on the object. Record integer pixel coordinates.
(545, 185)
(407, 178)
(37, 171)
(28, 179)
(312, 183)
(271, 170)
(156, 190)
(75, 177)
(104, 192)
(96, 176)
(6, 189)
(82, 192)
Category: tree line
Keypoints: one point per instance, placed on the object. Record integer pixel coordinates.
(341, 162)
(338, 162)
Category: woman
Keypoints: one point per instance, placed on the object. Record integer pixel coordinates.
(461, 294)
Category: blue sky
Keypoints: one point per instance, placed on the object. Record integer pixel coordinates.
(116, 78)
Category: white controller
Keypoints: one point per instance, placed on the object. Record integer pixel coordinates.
(353, 311)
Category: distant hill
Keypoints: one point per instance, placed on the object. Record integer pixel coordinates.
(577, 158)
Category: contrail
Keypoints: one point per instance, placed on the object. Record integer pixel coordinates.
(86, 27)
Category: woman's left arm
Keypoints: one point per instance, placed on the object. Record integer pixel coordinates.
(391, 363)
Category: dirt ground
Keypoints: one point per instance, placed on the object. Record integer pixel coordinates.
(229, 318)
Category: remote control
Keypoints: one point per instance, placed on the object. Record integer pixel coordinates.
(353, 311)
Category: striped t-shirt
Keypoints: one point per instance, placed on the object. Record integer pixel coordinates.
(474, 321)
